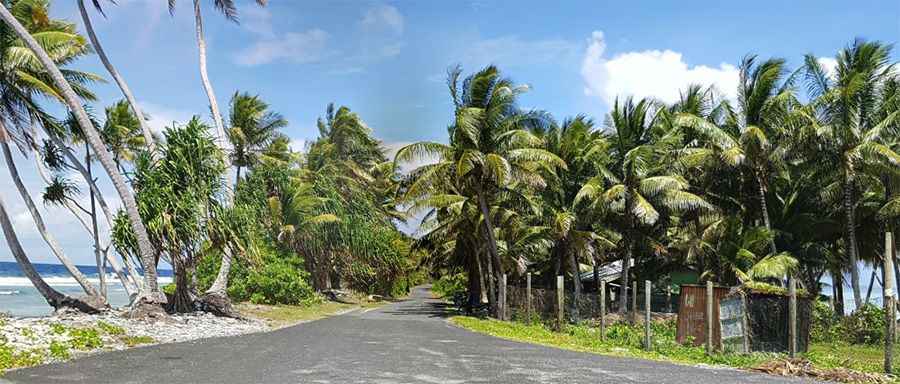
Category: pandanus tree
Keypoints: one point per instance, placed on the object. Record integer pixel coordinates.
(491, 148)
(177, 193)
(851, 133)
(639, 190)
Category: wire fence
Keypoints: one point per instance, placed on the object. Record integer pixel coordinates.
(587, 306)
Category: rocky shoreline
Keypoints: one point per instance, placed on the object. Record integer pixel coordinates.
(60, 337)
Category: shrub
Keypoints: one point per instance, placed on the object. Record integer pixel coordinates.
(9, 358)
(276, 283)
(137, 340)
(57, 328)
(59, 351)
(450, 285)
(824, 324)
(864, 326)
(85, 339)
(109, 329)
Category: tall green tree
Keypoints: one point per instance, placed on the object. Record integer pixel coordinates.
(640, 189)
(850, 132)
(253, 128)
(492, 151)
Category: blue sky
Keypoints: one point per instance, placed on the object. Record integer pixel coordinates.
(387, 60)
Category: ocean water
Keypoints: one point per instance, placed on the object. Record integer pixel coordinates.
(19, 298)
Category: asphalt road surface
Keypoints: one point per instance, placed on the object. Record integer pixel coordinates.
(404, 342)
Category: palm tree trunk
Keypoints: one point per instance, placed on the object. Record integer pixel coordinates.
(237, 176)
(764, 208)
(473, 280)
(207, 86)
(626, 257)
(576, 285)
(53, 297)
(152, 293)
(838, 284)
(220, 285)
(145, 128)
(101, 270)
(39, 220)
(623, 280)
(850, 243)
(492, 245)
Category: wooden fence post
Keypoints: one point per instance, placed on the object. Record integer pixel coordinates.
(528, 297)
(669, 297)
(634, 311)
(709, 317)
(603, 310)
(504, 305)
(890, 316)
(792, 318)
(647, 288)
(560, 302)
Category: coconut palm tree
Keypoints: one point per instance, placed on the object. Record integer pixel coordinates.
(639, 190)
(120, 81)
(750, 138)
(253, 127)
(67, 92)
(850, 132)
(492, 151)
(121, 132)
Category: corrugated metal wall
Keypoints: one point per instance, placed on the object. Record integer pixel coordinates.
(692, 314)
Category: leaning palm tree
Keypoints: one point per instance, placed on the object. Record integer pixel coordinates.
(120, 81)
(55, 298)
(640, 188)
(20, 81)
(65, 91)
(227, 8)
(850, 131)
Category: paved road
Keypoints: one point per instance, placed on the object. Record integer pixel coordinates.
(405, 342)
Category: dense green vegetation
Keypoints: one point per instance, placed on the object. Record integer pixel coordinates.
(798, 176)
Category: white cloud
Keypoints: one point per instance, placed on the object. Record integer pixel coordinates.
(297, 47)
(297, 145)
(829, 64)
(256, 19)
(162, 117)
(383, 18)
(650, 73)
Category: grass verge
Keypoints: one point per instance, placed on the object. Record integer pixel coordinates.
(278, 316)
(626, 341)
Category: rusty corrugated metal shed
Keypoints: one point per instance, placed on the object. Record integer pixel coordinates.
(692, 314)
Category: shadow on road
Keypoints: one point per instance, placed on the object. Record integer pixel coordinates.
(430, 309)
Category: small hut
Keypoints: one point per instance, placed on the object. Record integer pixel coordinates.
(766, 310)
(751, 314)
